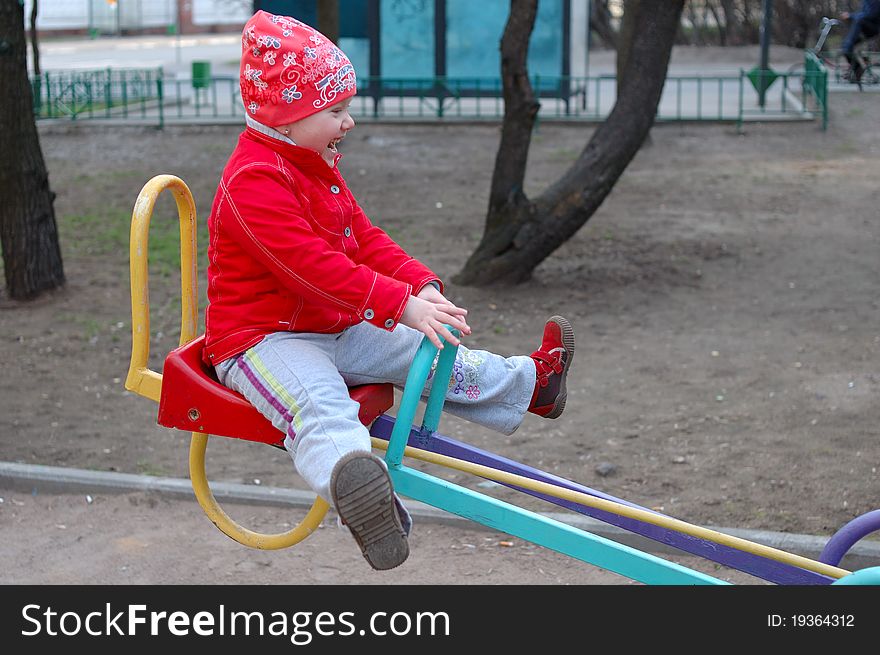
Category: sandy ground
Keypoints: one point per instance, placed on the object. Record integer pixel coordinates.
(724, 299)
(142, 538)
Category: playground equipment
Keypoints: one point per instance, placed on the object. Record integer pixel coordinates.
(191, 399)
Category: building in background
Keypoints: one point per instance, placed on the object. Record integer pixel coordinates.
(118, 17)
(399, 39)
(395, 39)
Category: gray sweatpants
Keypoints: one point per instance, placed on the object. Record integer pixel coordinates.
(300, 381)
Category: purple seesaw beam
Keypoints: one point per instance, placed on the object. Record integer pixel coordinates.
(761, 567)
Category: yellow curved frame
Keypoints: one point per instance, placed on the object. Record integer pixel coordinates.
(148, 383)
(232, 529)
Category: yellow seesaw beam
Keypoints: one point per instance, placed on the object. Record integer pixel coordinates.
(622, 510)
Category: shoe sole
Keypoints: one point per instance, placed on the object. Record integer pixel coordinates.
(567, 341)
(364, 499)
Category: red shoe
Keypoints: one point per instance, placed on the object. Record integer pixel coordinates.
(552, 361)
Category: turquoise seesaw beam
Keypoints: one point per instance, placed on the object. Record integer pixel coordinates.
(496, 514)
(543, 531)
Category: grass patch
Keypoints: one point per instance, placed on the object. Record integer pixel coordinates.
(106, 233)
(566, 154)
(94, 233)
(83, 106)
(148, 468)
(86, 322)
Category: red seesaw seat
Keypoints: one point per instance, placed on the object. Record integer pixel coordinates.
(193, 400)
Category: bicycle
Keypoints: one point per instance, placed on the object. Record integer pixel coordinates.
(842, 71)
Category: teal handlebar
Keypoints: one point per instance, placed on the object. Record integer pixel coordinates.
(416, 380)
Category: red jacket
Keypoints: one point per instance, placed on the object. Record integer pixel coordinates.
(290, 249)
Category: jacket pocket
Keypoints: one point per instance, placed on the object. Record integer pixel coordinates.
(326, 216)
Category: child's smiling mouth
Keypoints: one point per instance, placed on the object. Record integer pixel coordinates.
(335, 142)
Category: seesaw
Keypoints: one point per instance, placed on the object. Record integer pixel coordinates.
(191, 399)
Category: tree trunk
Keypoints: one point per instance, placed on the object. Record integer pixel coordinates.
(691, 14)
(625, 37)
(328, 19)
(731, 31)
(35, 46)
(600, 23)
(506, 195)
(732, 26)
(720, 25)
(522, 233)
(29, 236)
(35, 56)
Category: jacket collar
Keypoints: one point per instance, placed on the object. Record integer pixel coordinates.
(302, 158)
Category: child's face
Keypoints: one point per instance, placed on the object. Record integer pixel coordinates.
(323, 130)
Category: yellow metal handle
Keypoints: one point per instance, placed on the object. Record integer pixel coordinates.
(148, 383)
(140, 379)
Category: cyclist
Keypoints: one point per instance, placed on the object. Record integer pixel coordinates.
(865, 25)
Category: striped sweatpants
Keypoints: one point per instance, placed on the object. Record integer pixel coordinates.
(300, 381)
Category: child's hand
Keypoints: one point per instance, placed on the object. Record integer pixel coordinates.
(430, 293)
(430, 317)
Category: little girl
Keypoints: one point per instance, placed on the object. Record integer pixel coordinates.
(307, 297)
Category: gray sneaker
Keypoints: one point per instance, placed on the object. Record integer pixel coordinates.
(364, 499)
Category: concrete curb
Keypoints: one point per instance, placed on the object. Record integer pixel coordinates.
(30, 477)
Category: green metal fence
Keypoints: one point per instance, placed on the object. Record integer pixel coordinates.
(103, 93)
(816, 84)
(148, 96)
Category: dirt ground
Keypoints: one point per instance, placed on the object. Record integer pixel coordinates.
(145, 539)
(724, 299)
